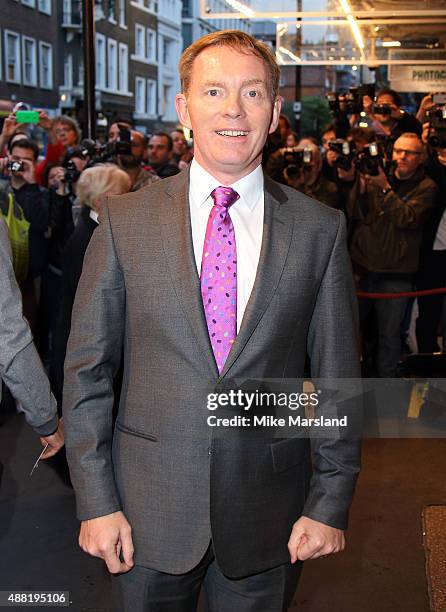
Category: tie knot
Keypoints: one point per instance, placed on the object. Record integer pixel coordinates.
(224, 196)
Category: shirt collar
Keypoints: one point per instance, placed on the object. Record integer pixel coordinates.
(94, 215)
(249, 188)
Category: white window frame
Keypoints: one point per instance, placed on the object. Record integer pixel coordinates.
(151, 100)
(68, 71)
(151, 57)
(45, 7)
(32, 82)
(140, 53)
(17, 59)
(140, 99)
(112, 71)
(123, 68)
(121, 14)
(48, 47)
(140, 4)
(101, 73)
(29, 3)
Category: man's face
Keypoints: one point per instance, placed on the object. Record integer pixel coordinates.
(229, 109)
(66, 134)
(326, 137)
(159, 153)
(113, 132)
(408, 155)
(388, 101)
(179, 143)
(137, 143)
(54, 177)
(284, 129)
(21, 154)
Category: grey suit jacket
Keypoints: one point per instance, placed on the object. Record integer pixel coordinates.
(20, 365)
(178, 483)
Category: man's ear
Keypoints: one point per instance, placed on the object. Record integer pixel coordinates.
(276, 114)
(182, 110)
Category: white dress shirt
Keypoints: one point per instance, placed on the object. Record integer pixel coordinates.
(247, 217)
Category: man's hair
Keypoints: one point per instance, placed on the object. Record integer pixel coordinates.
(71, 123)
(413, 136)
(25, 143)
(237, 40)
(329, 128)
(390, 92)
(285, 119)
(121, 119)
(165, 135)
(100, 179)
(362, 134)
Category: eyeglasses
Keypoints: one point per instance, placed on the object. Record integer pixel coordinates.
(407, 152)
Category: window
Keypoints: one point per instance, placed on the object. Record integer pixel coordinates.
(166, 99)
(80, 74)
(112, 64)
(122, 13)
(100, 61)
(12, 57)
(140, 48)
(30, 3)
(44, 6)
(167, 47)
(140, 101)
(68, 71)
(46, 65)
(123, 81)
(112, 12)
(151, 97)
(29, 68)
(151, 45)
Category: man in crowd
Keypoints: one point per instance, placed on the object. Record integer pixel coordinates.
(235, 513)
(390, 215)
(390, 121)
(179, 145)
(161, 155)
(132, 163)
(308, 177)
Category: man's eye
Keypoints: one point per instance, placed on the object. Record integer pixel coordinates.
(213, 92)
(253, 93)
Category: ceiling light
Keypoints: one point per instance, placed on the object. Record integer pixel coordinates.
(391, 43)
(241, 8)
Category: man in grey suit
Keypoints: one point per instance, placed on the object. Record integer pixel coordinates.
(20, 365)
(213, 275)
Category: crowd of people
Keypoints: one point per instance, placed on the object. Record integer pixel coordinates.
(387, 178)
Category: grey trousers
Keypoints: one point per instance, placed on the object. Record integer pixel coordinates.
(146, 590)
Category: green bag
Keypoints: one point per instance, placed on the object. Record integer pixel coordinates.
(18, 230)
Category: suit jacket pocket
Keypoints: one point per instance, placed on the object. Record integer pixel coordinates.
(288, 453)
(134, 432)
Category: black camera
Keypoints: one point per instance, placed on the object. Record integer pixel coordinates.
(382, 109)
(352, 99)
(437, 125)
(15, 166)
(369, 160)
(345, 151)
(72, 174)
(295, 158)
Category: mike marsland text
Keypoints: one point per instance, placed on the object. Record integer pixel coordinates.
(270, 421)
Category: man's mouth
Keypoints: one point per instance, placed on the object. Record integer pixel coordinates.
(232, 133)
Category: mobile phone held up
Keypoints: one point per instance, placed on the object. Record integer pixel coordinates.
(27, 116)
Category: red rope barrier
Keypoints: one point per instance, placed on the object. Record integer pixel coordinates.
(394, 296)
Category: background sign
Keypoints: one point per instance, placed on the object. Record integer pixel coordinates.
(423, 78)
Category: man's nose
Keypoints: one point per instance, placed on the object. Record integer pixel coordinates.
(234, 106)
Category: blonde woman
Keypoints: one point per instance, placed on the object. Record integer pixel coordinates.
(94, 186)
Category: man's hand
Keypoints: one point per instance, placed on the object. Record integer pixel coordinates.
(55, 441)
(310, 540)
(9, 127)
(45, 121)
(28, 174)
(331, 157)
(380, 180)
(107, 537)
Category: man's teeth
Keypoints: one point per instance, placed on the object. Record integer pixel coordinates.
(232, 133)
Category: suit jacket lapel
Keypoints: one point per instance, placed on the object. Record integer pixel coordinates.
(177, 238)
(277, 232)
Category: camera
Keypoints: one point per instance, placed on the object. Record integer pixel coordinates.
(352, 99)
(345, 151)
(369, 161)
(437, 122)
(382, 109)
(295, 158)
(15, 166)
(72, 174)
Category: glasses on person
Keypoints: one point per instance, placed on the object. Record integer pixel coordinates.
(407, 152)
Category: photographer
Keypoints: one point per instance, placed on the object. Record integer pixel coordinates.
(131, 162)
(432, 273)
(386, 117)
(390, 214)
(161, 155)
(302, 169)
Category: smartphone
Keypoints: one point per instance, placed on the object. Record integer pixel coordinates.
(25, 116)
(439, 98)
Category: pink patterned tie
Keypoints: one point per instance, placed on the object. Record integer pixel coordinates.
(219, 275)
